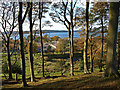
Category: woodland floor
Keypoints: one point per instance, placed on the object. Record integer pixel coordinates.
(95, 80)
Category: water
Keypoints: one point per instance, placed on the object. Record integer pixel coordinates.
(52, 34)
(62, 34)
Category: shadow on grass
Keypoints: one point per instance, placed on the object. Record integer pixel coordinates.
(10, 82)
(87, 81)
(47, 77)
(62, 56)
(94, 80)
(51, 60)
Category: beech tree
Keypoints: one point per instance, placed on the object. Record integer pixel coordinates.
(41, 40)
(111, 69)
(86, 39)
(20, 22)
(31, 42)
(8, 23)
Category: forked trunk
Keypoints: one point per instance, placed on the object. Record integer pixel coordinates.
(31, 44)
(22, 45)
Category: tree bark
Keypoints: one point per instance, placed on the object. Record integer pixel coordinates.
(9, 61)
(41, 40)
(22, 45)
(111, 69)
(118, 53)
(91, 56)
(16, 77)
(31, 44)
(71, 42)
(86, 40)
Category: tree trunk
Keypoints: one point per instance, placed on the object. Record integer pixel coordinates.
(102, 31)
(71, 42)
(9, 61)
(16, 77)
(86, 40)
(22, 45)
(40, 17)
(111, 69)
(91, 56)
(118, 53)
(34, 40)
(31, 43)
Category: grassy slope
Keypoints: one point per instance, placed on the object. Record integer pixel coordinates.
(80, 80)
(94, 80)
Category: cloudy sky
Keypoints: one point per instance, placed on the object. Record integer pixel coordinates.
(56, 26)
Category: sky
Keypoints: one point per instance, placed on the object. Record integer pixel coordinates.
(56, 26)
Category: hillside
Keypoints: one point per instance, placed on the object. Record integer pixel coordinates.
(94, 80)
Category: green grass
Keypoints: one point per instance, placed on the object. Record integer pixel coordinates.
(53, 58)
(80, 80)
(94, 80)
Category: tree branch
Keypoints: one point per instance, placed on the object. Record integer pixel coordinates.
(26, 12)
(65, 6)
(75, 4)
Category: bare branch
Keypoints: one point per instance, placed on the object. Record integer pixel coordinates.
(25, 12)
(75, 4)
(65, 6)
(34, 20)
(3, 36)
(66, 25)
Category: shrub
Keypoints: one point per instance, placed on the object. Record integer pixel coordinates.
(4, 67)
(16, 68)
